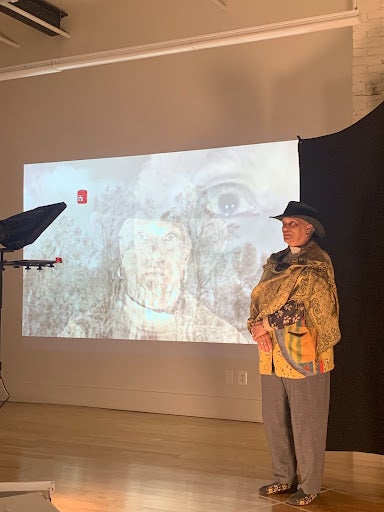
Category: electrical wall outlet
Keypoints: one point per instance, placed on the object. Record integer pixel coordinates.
(242, 377)
(228, 376)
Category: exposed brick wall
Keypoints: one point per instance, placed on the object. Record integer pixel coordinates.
(368, 58)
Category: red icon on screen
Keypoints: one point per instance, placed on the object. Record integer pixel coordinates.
(82, 196)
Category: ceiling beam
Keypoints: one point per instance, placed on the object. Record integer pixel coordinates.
(38, 14)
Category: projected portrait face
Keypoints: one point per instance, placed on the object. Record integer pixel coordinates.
(154, 257)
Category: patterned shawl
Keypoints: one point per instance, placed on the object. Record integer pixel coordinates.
(309, 280)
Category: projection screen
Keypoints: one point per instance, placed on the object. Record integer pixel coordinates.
(156, 247)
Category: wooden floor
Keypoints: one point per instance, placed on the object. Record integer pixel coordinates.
(118, 461)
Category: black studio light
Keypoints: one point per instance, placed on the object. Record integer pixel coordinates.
(24, 228)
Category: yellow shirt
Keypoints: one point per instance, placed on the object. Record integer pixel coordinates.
(300, 348)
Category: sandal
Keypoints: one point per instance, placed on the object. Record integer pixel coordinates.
(276, 488)
(300, 498)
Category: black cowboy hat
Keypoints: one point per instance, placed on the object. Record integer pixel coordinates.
(303, 211)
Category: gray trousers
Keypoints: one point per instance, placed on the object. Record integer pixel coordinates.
(295, 415)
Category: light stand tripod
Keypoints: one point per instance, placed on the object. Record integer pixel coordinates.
(28, 264)
(17, 232)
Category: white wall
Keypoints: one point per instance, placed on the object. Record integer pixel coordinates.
(266, 91)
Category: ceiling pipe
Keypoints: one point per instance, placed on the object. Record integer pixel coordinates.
(9, 5)
(215, 40)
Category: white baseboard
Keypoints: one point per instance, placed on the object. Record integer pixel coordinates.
(231, 408)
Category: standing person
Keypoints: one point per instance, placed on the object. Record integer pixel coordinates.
(294, 321)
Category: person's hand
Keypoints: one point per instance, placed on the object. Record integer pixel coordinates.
(261, 336)
(264, 342)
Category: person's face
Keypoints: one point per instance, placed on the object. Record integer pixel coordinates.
(161, 252)
(296, 232)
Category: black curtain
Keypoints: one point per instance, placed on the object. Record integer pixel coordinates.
(342, 175)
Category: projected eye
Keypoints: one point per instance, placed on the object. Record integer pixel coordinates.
(141, 237)
(171, 237)
(230, 200)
